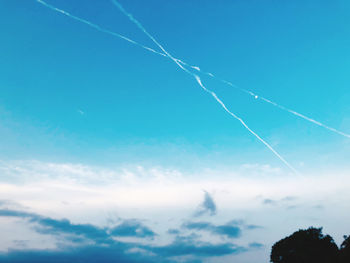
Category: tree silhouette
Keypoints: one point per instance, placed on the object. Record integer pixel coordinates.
(305, 246)
(344, 253)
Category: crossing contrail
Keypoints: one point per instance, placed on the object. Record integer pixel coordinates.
(183, 64)
(179, 62)
(101, 29)
(198, 80)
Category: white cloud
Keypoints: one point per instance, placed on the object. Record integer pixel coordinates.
(165, 197)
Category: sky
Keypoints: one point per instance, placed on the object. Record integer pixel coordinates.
(112, 151)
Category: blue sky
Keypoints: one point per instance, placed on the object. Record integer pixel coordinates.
(75, 101)
(294, 54)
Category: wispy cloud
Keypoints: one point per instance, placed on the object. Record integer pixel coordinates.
(228, 230)
(135, 186)
(132, 228)
(173, 231)
(184, 246)
(284, 200)
(208, 206)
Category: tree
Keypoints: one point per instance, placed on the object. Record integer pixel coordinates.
(344, 253)
(305, 246)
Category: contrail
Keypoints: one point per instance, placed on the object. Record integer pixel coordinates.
(177, 61)
(245, 125)
(256, 96)
(197, 78)
(97, 27)
(103, 30)
(138, 24)
(306, 118)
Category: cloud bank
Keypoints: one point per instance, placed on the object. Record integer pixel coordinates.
(89, 243)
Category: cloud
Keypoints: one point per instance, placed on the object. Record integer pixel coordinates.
(126, 253)
(7, 212)
(252, 227)
(198, 225)
(268, 201)
(208, 206)
(103, 249)
(123, 253)
(283, 200)
(44, 186)
(106, 249)
(132, 228)
(117, 253)
(228, 230)
(188, 246)
(46, 225)
(53, 226)
(173, 231)
(256, 245)
(8, 203)
(242, 224)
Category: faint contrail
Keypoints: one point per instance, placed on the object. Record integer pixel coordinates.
(306, 118)
(197, 78)
(97, 27)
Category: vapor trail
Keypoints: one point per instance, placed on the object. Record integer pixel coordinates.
(244, 124)
(198, 80)
(178, 62)
(138, 24)
(103, 30)
(281, 107)
(97, 27)
(306, 118)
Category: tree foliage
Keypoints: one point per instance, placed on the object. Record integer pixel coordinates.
(344, 252)
(305, 246)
